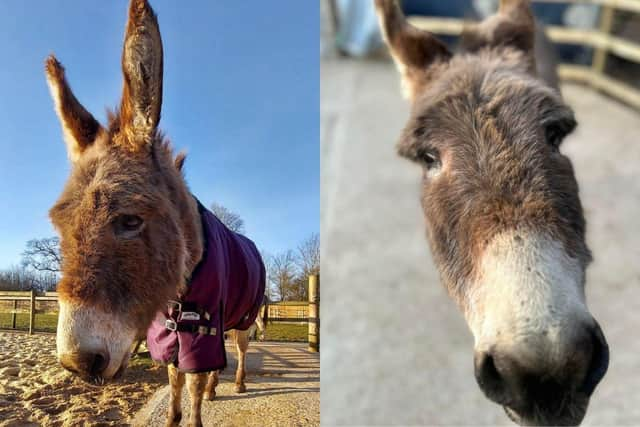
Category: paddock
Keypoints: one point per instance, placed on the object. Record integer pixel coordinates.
(406, 357)
(283, 373)
(283, 388)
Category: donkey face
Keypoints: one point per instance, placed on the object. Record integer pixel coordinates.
(125, 215)
(501, 203)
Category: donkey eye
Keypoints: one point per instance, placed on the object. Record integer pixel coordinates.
(430, 159)
(555, 132)
(554, 136)
(128, 223)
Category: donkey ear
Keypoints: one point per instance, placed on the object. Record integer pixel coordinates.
(513, 26)
(179, 161)
(78, 125)
(142, 69)
(414, 51)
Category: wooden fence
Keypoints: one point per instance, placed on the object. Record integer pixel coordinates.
(28, 303)
(31, 303)
(599, 39)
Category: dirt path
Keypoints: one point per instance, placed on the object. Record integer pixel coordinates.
(283, 381)
(35, 390)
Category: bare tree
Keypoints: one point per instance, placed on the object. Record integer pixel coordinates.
(43, 255)
(308, 256)
(283, 275)
(270, 290)
(232, 220)
(18, 278)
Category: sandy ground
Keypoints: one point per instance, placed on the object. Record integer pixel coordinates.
(36, 391)
(283, 389)
(396, 351)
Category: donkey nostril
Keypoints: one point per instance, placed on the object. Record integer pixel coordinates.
(99, 364)
(599, 361)
(85, 364)
(489, 378)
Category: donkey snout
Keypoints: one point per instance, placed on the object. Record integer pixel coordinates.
(544, 382)
(86, 364)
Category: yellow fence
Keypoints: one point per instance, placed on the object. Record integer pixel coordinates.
(27, 303)
(599, 39)
(30, 303)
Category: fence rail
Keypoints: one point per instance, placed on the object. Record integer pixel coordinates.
(33, 298)
(289, 311)
(599, 39)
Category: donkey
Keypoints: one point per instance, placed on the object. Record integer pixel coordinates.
(132, 238)
(500, 200)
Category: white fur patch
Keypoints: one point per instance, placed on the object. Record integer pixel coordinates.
(528, 299)
(86, 329)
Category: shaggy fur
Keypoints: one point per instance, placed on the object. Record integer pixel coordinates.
(486, 130)
(130, 230)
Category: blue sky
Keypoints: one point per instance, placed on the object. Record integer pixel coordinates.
(241, 88)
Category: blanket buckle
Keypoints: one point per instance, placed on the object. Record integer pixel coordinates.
(171, 325)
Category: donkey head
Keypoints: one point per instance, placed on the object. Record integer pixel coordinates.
(128, 226)
(504, 219)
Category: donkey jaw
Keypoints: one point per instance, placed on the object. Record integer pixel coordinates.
(572, 414)
(93, 344)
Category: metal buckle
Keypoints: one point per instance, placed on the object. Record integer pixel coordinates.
(189, 315)
(171, 325)
(205, 330)
(175, 305)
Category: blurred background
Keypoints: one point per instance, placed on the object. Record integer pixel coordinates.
(396, 351)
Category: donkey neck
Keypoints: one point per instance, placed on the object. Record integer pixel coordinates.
(193, 236)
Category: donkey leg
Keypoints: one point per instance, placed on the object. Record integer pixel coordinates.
(261, 328)
(212, 383)
(196, 384)
(176, 380)
(242, 343)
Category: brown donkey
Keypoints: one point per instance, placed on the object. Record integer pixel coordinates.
(131, 232)
(500, 200)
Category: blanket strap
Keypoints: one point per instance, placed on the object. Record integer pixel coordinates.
(187, 310)
(172, 325)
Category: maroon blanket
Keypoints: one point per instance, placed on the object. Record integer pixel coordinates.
(225, 292)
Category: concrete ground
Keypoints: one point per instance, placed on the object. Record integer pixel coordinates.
(396, 351)
(283, 389)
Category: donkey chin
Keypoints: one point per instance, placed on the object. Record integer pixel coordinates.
(538, 351)
(93, 344)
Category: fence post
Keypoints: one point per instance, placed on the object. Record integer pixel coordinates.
(14, 314)
(314, 312)
(598, 62)
(32, 312)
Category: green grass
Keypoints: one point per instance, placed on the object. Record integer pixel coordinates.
(286, 332)
(43, 322)
(47, 323)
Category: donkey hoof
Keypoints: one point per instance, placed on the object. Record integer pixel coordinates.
(240, 388)
(209, 396)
